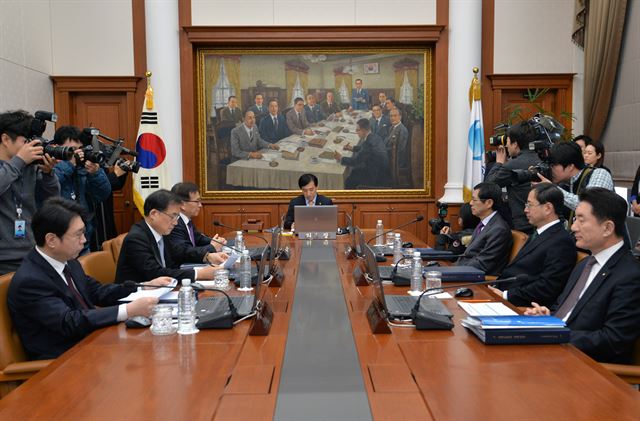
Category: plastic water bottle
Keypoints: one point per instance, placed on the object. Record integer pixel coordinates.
(187, 309)
(379, 233)
(416, 272)
(245, 271)
(239, 242)
(397, 249)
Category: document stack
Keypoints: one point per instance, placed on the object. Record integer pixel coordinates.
(518, 329)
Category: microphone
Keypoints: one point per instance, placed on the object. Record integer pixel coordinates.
(428, 320)
(220, 224)
(232, 308)
(413, 221)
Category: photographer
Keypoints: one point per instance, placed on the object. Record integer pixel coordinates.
(456, 242)
(81, 180)
(22, 186)
(502, 173)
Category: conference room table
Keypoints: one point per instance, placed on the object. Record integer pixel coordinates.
(120, 374)
(274, 171)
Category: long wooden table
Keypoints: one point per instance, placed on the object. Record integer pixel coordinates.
(119, 373)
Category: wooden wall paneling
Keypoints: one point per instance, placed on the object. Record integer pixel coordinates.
(234, 215)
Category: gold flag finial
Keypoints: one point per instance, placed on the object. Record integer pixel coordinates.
(148, 95)
(474, 89)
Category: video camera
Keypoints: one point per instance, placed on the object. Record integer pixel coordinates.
(438, 223)
(107, 154)
(498, 139)
(548, 132)
(38, 126)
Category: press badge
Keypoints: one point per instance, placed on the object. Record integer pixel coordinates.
(19, 228)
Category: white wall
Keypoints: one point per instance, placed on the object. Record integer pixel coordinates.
(312, 12)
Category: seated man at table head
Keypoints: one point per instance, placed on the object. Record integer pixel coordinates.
(51, 300)
(145, 253)
(380, 123)
(369, 162)
(189, 245)
(246, 141)
(491, 241)
(359, 97)
(329, 106)
(273, 127)
(258, 107)
(600, 300)
(231, 113)
(297, 119)
(382, 101)
(313, 111)
(549, 253)
(308, 183)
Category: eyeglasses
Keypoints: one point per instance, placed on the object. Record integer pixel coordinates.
(531, 205)
(473, 199)
(193, 201)
(174, 216)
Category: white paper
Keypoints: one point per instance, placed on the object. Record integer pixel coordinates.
(228, 264)
(486, 309)
(151, 292)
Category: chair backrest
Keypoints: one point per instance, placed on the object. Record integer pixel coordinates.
(100, 266)
(519, 238)
(114, 245)
(11, 350)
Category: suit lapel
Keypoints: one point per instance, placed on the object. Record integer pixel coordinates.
(39, 261)
(531, 245)
(78, 274)
(154, 244)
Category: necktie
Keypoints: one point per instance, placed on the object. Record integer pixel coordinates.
(300, 119)
(275, 122)
(72, 287)
(572, 299)
(478, 229)
(161, 250)
(192, 235)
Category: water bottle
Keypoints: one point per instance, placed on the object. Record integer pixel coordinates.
(416, 272)
(379, 233)
(397, 249)
(239, 242)
(186, 309)
(245, 271)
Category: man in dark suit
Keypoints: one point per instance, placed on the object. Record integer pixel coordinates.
(246, 141)
(258, 108)
(369, 163)
(145, 253)
(308, 183)
(549, 253)
(491, 241)
(312, 110)
(359, 97)
(51, 300)
(188, 245)
(273, 127)
(600, 300)
(231, 113)
(329, 106)
(297, 120)
(380, 123)
(398, 138)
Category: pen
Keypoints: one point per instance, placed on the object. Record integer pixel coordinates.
(475, 301)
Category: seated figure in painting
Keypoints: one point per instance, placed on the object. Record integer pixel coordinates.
(273, 126)
(246, 141)
(297, 120)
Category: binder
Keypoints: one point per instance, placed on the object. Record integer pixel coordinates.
(521, 336)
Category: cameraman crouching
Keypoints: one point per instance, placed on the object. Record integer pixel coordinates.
(457, 241)
(521, 158)
(22, 186)
(81, 180)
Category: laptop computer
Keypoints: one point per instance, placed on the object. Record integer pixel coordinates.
(399, 306)
(312, 220)
(244, 304)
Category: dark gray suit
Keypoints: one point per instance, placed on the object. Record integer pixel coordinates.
(242, 143)
(296, 125)
(489, 251)
(259, 113)
(380, 128)
(398, 135)
(234, 116)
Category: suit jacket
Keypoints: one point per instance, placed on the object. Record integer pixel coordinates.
(314, 114)
(259, 113)
(399, 135)
(47, 316)
(360, 101)
(300, 201)
(369, 164)
(329, 109)
(605, 322)
(140, 258)
(296, 125)
(181, 247)
(227, 115)
(242, 144)
(381, 129)
(548, 259)
(268, 131)
(489, 251)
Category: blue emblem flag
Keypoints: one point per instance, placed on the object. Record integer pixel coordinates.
(474, 160)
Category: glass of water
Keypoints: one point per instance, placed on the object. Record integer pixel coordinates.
(390, 237)
(221, 279)
(161, 321)
(434, 280)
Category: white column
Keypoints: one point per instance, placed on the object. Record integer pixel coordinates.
(465, 53)
(163, 60)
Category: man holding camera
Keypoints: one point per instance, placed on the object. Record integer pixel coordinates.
(22, 185)
(81, 180)
(502, 172)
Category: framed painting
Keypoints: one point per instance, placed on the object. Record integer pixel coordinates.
(360, 119)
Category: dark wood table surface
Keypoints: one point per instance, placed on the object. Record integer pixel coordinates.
(119, 373)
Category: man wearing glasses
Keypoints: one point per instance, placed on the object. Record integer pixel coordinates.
(188, 244)
(145, 254)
